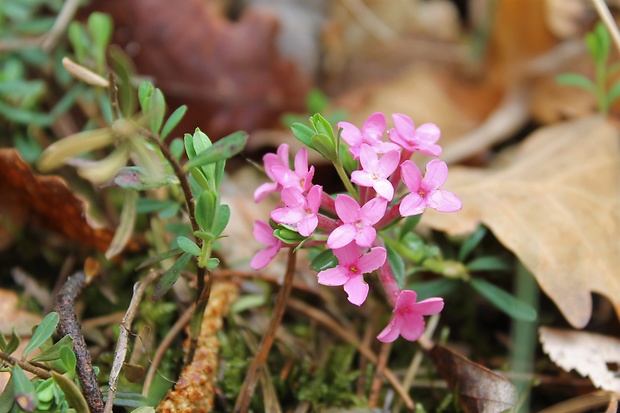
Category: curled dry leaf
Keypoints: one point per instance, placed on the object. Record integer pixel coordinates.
(46, 201)
(587, 353)
(480, 390)
(556, 204)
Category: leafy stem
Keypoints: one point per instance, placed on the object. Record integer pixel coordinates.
(35, 368)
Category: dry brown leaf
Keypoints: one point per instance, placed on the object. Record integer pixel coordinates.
(555, 204)
(47, 201)
(480, 390)
(587, 353)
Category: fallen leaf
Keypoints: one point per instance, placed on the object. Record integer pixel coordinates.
(480, 390)
(46, 201)
(589, 354)
(229, 73)
(555, 204)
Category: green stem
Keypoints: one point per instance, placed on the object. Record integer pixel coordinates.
(345, 180)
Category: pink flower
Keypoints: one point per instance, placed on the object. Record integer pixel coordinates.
(351, 269)
(301, 177)
(270, 160)
(300, 212)
(264, 233)
(371, 134)
(411, 139)
(425, 192)
(376, 171)
(408, 321)
(357, 222)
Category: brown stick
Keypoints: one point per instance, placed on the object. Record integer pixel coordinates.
(38, 371)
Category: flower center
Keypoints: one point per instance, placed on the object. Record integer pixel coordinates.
(359, 224)
(422, 193)
(353, 269)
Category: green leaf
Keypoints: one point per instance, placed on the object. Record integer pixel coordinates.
(24, 391)
(397, 265)
(144, 409)
(434, 288)
(158, 258)
(577, 80)
(176, 147)
(613, 94)
(322, 126)
(7, 399)
(593, 46)
(471, 243)
(288, 236)
(225, 148)
(221, 219)
(205, 210)
(53, 352)
(13, 343)
(325, 146)
(248, 301)
(212, 263)
(303, 133)
(325, 260)
(25, 116)
(124, 69)
(316, 101)
(188, 246)
(144, 95)
(506, 302)
(603, 41)
(3, 343)
(157, 110)
(67, 358)
(42, 332)
(408, 226)
(100, 26)
(79, 40)
(173, 121)
(491, 263)
(72, 393)
(171, 276)
(126, 225)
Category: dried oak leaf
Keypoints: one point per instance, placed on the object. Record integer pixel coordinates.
(480, 390)
(556, 204)
(229, 73)
(46, 201)
(587, 353)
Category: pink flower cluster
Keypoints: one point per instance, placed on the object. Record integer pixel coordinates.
(349, 224)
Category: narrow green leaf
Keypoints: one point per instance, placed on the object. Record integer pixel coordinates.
(471, 242)
(171, 276)
(157, 110)
(225, 148)
(158, 258)
(173, 121)
(144, 95)
(188, 140)
(79, 40)
(408, 226)
(325, 146)
(613, 94)
(325, 260)
(247, 302)
(397, 265)
(100, 26)
(13, 343)
(188, 246)
(124, 68)
(316, 101)
(45, 391)
(488, 264)
(506, 302)
(303, 133)
(53, 352)
(288, 236)
(3, 343)
(42, 332)
(434, 288)
(24, 391)
(577, 80)
(593, 46)
(603, 41)
(7, 399)
(67, 358)
(212, 263)
(144, 409)
(25, 116)
(201, 143)
(221, 219)
(176, 148)
(322, 126)
(126, 225)
(205, 210)
(72, 393)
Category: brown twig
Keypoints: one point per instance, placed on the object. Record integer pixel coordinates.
(327, 321)
(68, 324)
(123, 338)
(384, 356)
(36, 370)
(272, 279)
(249, 384)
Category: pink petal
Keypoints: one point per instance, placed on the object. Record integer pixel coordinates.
(436, 174)
(427, 134)
(301, 162)
(333, 276)
(389, 333)
(292, 197)
(264, 190)
(362, 178)
(412, 204)
(384, 188)
(357, 290)
(404, 125)
(406, 300)
(368, 158)
(372, 260)
(388, 163)
(445, 201)
(347, 255)
(287, 215)
(264, 257)
(341, 236)
(412, 327)
(412, 177)
(307, 225)
(350, 133)
(429, 306)
(307, 180)
(347, 208)
(366, 237)
(398, 139)
(264, 233)
(314, 198)
(374, 126)
(372, 211)
(284, 176)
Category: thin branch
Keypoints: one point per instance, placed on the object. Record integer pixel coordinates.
(68, 324)
(251, 378)
(123, 338)
(384, 356)
(38, 371)
(608, 20)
